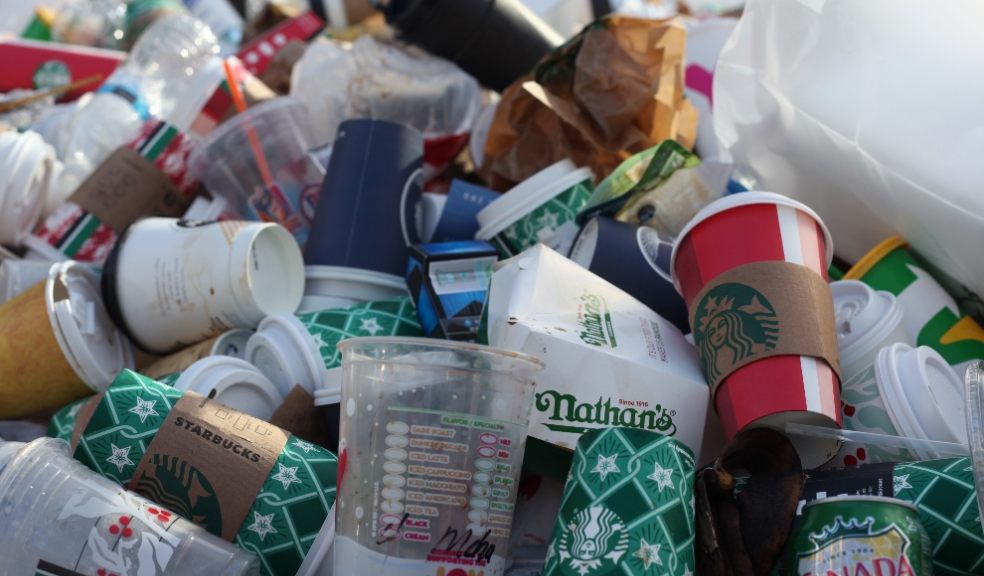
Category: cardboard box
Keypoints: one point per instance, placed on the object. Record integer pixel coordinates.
(448, 282)
(610, 360)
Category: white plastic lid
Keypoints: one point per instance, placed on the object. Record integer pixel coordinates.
(923, 395)
(284, 351)
(746, 199)
(26, 162)
(585, 245)
(232, 343)
(90, 341)
(527, 196)
(863, 316)
(237, 384)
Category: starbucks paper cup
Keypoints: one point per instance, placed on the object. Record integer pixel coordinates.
(628, 507)
(909, 392)
(867, 321)
(171, 283)
(338, 287)
(300, 350)
(238, 477)
(57, 343)
(736, 323)
(932, 317)
(432, 440)
(542, 208)
(233, 382)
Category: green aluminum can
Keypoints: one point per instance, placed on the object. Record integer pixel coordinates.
(860, 536)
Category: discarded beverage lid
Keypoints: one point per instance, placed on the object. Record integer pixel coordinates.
(233, 382)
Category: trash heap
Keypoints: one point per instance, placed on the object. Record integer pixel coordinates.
(479, 289)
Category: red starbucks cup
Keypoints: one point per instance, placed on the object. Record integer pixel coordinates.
(760, 229)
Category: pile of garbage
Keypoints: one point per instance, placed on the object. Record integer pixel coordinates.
(432, 287)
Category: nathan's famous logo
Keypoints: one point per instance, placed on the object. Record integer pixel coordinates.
(596, 538)
(733, 322)
(596, 321)
(853, 549)
(566, 408)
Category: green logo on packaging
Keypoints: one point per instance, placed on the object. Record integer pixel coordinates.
(565, 408)
(179, 486)
(596, 321)
(593, 542)
(51, 74)
(733, 322)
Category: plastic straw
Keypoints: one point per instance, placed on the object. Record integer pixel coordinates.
(254, 140)
(942, 449)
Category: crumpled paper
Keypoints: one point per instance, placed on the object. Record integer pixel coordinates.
(612, 91)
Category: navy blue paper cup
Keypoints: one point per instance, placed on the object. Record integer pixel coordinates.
(635, 259)
(365, 217)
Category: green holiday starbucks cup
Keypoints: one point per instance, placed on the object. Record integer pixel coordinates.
(628, 507)
(62, 422)
(541, 208)
(300, 350)
(238, 477)
(931, 316)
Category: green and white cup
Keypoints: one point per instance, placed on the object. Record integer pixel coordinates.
(300, 350)
(541, 208)
(62, 422)
(289, 512)
(628, 507)
(909, 392)
(328, 287)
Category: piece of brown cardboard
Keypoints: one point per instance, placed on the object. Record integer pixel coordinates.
(760, 310)
(127, 187)
(299, 416)
(224, 447)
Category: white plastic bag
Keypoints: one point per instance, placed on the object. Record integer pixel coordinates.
(870, 112)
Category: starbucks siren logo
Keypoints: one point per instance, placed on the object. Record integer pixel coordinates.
(51, 74)
(733, 322)
(596, 321)
(594, 540)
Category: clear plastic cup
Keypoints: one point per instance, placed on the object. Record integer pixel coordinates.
(432, 440)
(258, 160)
(57, 514)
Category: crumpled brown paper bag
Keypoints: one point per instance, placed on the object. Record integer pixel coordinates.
(613, 90)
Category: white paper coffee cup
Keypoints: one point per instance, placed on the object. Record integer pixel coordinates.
(174, 283)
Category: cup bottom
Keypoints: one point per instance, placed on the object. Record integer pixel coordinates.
(779, 390)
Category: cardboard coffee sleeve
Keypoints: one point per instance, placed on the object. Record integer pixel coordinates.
(610, 360)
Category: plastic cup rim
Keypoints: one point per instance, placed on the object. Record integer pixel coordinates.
(435, 344)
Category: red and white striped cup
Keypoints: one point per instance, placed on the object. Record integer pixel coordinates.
(755, 227)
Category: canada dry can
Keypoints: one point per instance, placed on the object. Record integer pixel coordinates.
(860, 536)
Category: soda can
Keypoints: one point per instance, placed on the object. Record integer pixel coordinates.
(860, 535)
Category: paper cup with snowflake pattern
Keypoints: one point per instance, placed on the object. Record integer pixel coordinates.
(541, 208)
(628, 507)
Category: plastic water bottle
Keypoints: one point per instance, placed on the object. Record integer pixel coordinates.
(163, 74)
(59, 517)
